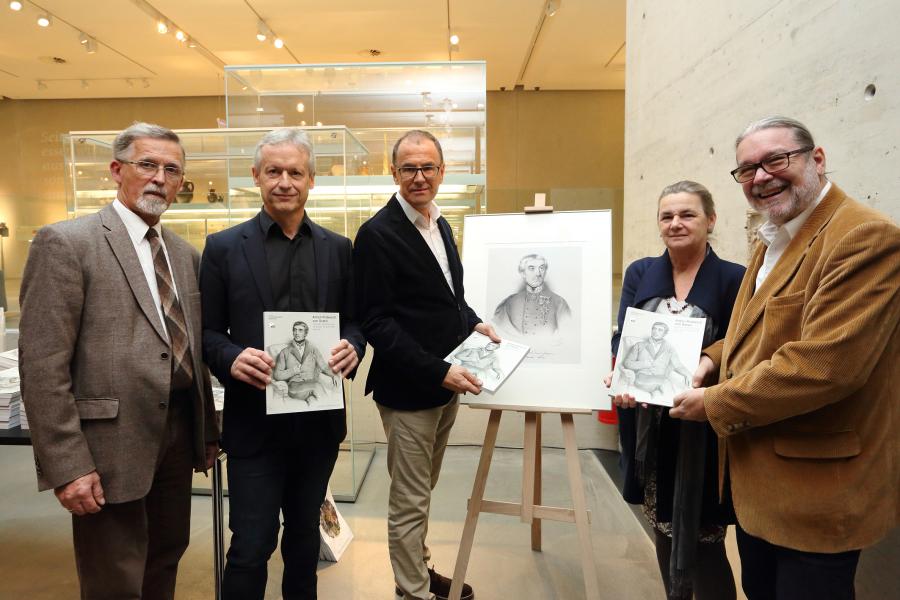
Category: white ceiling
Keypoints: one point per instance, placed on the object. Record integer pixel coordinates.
(580, 48)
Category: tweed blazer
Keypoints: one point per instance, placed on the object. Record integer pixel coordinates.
(807, 404)
(94, 358)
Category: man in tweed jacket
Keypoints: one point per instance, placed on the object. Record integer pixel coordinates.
(806, 400)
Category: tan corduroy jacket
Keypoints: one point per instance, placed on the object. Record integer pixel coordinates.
(808, 404)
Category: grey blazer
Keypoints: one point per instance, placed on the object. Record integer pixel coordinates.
(94, 359)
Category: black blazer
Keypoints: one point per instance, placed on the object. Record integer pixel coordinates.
(715, 289)
(407, 310)
(235, 291)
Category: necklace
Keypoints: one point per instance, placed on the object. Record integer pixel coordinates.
(675, 310)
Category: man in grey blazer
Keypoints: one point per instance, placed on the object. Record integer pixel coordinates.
(118, 399)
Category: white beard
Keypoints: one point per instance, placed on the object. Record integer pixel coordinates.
(151, 205)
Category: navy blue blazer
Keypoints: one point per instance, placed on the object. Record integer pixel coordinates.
(235, 291)
(408, 312)
(715, 289)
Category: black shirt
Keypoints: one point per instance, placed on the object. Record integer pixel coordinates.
(292, 265)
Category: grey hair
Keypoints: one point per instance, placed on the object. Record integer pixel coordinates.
(287, 135)
(528, 257)
(416, 134)
(690, 187)
(801, 133)
(122, 143)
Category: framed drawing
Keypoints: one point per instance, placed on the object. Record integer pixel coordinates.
(545, 280)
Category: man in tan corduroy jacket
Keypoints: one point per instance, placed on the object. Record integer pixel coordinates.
(806, 404)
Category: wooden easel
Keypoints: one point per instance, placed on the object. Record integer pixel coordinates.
(530, 510)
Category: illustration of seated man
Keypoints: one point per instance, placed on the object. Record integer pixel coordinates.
(654, 361)
(534, 309)
(482, 361)
(299, 366)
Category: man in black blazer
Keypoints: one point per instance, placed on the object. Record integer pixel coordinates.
(409, 283)
(277, 261)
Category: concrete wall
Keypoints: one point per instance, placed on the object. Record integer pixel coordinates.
(698, 72)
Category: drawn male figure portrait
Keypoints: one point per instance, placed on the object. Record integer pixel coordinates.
(299, 364)
(534, 309)
(482, 361)
(653, 361)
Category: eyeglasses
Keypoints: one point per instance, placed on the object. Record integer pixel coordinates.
(774, 164)
(150, 168)
(428, 172)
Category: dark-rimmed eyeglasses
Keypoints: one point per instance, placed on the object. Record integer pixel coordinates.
(150, 168)
(773, 164)
(428, 172)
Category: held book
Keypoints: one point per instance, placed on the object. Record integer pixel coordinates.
(489, 361)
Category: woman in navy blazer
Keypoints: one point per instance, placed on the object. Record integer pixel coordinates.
(671, 466)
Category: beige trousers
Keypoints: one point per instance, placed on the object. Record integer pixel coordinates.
(416, 442)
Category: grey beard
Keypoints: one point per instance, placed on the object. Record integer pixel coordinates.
(151, 205)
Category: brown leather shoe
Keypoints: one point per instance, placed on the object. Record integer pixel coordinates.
(440, 587)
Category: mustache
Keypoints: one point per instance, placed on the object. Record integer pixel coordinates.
(153, 189)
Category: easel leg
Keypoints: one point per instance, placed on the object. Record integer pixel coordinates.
(592, 590)
(468, 536)
(528, 467)
(536, 523)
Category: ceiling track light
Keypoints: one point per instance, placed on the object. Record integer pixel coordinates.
(91, 46)
(278, 43)
(83, 38)
(44, 20)
(162, 27)
(262, 31)
(454, 40)
(15, 5)
(181, 36)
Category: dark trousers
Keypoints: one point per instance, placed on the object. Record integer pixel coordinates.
(712, 578)
(770, 572)
(130, 551)
(288, 480)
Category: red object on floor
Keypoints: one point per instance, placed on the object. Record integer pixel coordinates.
(610, 417)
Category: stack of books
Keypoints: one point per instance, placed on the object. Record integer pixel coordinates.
(11, 411)
(9, 359)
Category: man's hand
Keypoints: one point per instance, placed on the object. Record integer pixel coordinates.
(460, 380)
(82, 496)
(689, 405)
(343, 358)
(705, 372)
(253, 367)
(621, 400)
(488, 330)
(212, 451)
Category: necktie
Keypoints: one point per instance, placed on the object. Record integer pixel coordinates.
(182, 371)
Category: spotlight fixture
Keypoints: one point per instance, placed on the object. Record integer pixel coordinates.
(44, 20)
(261, 31)
(454, 40)
(300, 107)
(191, 42)
(279, 43)
(41, 85)
(180, 36)
(83, 38)
(303, 123)
(15, 5)
(162, 27)
(318, 123)
(553, 7)
(91, 46)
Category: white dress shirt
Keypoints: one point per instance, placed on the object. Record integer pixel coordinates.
(137, 231)
(430, 232)
(777, 238)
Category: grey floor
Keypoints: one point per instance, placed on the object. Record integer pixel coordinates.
(36, 561)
